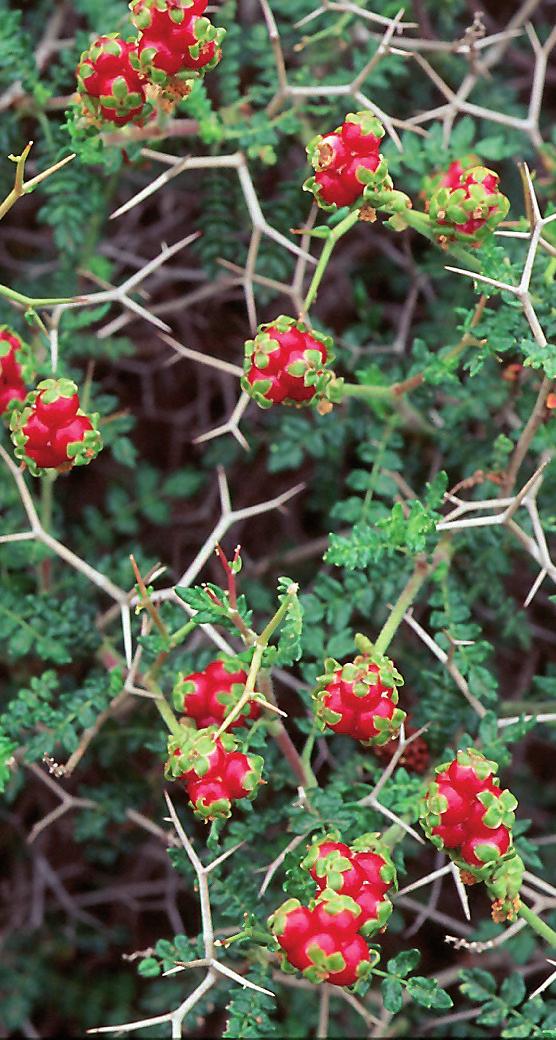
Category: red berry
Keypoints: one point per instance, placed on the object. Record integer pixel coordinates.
(453, 176)
(475, 824)
(369, 900)
(9, 394)
(10, 369)
(496, 837)
(465, 779)
(51, 439)
(38, 435)
(209, 797)
(357, 141)
(341, 925)
(300, 923)
(350, 174)
(465, 199)
(73, 433)
(56, 413)
(370, 864)
(459, 806)
(355, 953)
(12, 386)
(236, 769)
(173, 45)
(366, 725)
(46, 457)
(334, 701)
(333, 190)
(452, 836)
(332, 153)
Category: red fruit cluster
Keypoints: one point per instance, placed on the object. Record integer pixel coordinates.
(286, 364)
(466, 202)
(111, 89)
(343, 159)
(206, 697)
(466, 811)
(12, 386)
(119, 81)
(175, 41)
(354, 700)
(214, 773)
(51, 431)
(325, 940)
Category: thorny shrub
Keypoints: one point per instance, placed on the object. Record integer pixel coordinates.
(263, 799)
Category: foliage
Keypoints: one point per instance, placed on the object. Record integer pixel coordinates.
(442, 380)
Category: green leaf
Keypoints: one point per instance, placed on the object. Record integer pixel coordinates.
(392, 995)
(288, 647)
(477, 984)
(513, 990)
(523, 1029)
(428, 993)
(404, 962)
(149, 967)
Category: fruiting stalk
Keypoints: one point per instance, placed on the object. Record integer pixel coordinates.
(260, 647)
(335, 235)
(390, 627)
(167, 714)
(537, 924)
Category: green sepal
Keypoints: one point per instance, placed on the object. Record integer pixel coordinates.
(378, 923)
(220, 809)
(323, 964)
(253, 780)
(387, 728)
(334, 903)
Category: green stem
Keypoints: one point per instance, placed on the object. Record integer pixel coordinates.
(47, 489)
(168, 715)
(181, 633)
(392, 835)
(538, 925)
(260, 647)
(368, 391)
(335, 235)
(377, 464)
(29, 301)
(409, 415)
(389, 629)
